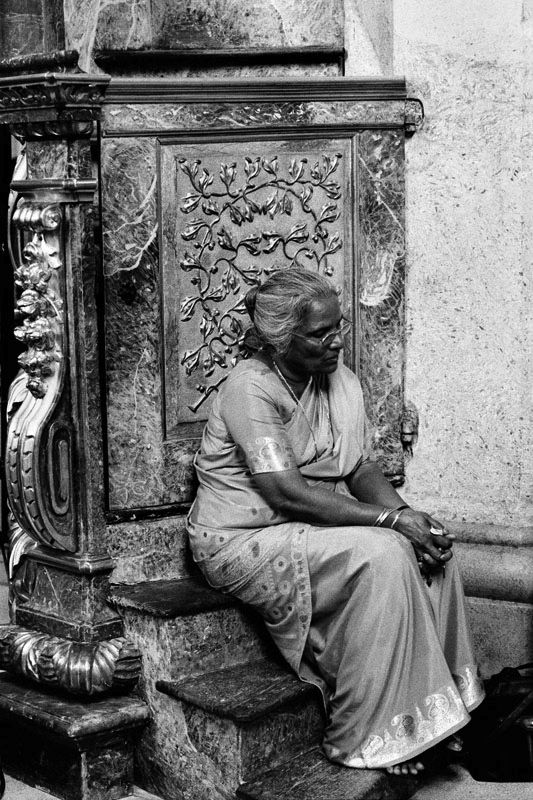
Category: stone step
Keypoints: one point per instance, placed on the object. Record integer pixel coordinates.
(310, 776)
(184, 627)
(250, 717)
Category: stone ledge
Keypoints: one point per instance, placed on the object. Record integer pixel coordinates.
(169, 598)
(496, 572)
(69, 718)
(243, 693)
(508, 535)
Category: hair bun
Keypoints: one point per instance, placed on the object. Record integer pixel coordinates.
(250, 300)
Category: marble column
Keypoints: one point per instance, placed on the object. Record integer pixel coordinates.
(63, 633)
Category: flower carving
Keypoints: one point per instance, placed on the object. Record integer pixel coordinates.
(38, 306)
(246, 220)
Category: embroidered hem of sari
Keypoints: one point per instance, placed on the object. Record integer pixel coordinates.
(411, 734)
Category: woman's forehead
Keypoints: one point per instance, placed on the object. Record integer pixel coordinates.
(324, 313)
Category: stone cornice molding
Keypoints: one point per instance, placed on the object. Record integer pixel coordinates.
(57, 60)
(82, 564)
(137, 90)
(52, 104)
(52, 190)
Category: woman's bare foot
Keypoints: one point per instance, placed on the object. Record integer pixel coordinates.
(454, 743)
(406, 768)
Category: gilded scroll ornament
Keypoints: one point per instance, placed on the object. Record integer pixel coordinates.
(38, 306)
(82, 668)
(242, 220)
(40, 499)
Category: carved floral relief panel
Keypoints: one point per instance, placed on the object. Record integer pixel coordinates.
(189, 224)
(231, 214)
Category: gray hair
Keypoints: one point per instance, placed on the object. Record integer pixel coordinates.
(278, 306)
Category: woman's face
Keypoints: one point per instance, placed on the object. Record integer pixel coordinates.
(307, 354)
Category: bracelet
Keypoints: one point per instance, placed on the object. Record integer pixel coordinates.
(382, 517)
(402, 508)
(397, 515)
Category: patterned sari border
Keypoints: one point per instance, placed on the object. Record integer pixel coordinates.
(411, 734)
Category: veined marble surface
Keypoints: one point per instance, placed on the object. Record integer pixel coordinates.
(175, 24)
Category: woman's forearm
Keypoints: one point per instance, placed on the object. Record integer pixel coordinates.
(289, 494)
(369, 485)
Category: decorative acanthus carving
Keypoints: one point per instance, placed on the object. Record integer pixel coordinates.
(244, 213)
(39, 304)
(82, 668)
(39, 441)
(414, 115)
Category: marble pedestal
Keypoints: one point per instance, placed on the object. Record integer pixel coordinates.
(75, 750)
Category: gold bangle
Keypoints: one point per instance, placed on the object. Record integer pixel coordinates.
(395, 520)
(382, 517)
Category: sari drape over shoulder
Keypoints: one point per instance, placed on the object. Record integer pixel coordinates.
(346, 606)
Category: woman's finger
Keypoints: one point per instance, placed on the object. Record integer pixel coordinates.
(436, 524)
(430, 559)
(440, 541)
(437, 554)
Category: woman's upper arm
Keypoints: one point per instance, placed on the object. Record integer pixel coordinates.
(254, 424)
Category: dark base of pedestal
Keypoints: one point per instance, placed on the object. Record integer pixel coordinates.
(74, 750)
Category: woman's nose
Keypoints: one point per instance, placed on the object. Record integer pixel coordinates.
(337, 342)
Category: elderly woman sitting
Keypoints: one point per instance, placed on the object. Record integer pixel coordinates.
(293, 517)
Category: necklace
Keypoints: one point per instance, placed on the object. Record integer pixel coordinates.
(287, 385)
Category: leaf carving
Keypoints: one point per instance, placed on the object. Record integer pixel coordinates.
(228, 254)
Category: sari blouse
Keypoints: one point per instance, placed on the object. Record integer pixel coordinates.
(256, 426)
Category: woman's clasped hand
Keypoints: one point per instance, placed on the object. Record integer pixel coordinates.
(430, 539)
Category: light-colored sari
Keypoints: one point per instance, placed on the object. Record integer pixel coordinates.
(346, 606)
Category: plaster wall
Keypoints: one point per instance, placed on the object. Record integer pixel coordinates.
(468, 218)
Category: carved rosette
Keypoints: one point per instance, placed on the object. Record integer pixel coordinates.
(81, 668)
(39, 440)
